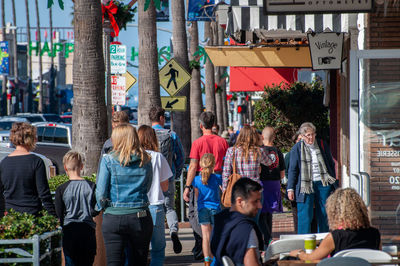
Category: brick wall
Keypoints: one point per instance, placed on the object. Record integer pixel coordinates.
(382, 137)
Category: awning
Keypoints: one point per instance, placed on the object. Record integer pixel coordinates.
(256, 78)
(248, 15)
(247, 56)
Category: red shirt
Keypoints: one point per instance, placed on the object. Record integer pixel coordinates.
(209, 144)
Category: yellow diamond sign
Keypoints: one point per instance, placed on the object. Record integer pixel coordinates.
(130, 80)
(177, 103)
(173, 77)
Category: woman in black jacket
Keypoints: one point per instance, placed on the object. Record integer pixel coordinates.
(23, 180)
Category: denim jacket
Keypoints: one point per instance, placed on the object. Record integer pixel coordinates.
(123, 186)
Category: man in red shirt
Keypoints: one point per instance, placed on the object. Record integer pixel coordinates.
(208, 143)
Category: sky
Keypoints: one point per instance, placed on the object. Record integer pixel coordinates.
(63, 18)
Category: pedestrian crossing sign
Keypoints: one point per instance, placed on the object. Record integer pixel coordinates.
(173, 77)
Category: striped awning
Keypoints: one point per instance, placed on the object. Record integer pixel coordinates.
(248, 15)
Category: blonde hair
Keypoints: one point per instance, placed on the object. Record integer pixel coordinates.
(207, 163)
(23, 134)
(346, 210)
(148, 138)
(73, 161)
(248, 140)
(125, 142)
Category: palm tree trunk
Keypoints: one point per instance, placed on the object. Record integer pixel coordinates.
(41, 104)
(179, 43)
(224, 122)
(89, 112)
(149, 82)
(196, 104)
(4, 77)
(28, 34)
(218, 94)
(209, 72)
(52, 107)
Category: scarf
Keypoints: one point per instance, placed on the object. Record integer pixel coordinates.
(306, 171)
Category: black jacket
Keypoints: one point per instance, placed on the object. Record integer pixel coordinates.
(230, 236)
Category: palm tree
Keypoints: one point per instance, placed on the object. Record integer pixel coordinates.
(15, 57)
(149, 82)
(52, 102)
(29, 70)
(222, 83)
(4, 77)
(218, 95)
(209, 72)
(89, 113)
(179, 43)
(196, 104)
(40, 107)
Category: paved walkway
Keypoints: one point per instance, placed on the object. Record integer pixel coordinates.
(282, 224)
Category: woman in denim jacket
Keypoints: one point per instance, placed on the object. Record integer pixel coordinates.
(123, 181)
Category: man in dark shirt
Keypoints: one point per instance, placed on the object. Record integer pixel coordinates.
(235, 233)
(271, 179)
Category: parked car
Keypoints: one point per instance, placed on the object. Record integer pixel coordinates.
(5, 127)
(34, 118)
(67, 118)
(50, 168)
(54, 141)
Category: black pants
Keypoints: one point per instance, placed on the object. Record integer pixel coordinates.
(79, 243)
(121, 230)
(265, 225)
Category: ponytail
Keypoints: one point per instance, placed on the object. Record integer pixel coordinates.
(207, 163)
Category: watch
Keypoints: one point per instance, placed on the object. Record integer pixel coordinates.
(299, 252)
(189, 187)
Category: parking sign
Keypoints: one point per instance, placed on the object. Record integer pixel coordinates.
(118, 58)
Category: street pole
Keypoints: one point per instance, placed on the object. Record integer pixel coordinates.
(106, 51)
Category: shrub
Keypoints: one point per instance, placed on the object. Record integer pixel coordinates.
(285, 107)
(58, 180)
(15, 225)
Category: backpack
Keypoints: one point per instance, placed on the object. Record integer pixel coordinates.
(165, 144)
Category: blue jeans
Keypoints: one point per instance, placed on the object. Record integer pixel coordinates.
(206, 216)
(158, 238)
(305, 209)
(169, 197)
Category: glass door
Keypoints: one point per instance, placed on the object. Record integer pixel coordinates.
(375, 136)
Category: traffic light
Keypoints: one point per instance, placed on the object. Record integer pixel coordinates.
(239, 109)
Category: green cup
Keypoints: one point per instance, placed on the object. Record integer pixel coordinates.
(310, 243)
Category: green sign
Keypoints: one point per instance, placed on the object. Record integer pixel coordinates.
(57, 48)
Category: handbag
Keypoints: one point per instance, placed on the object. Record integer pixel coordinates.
(227, 194)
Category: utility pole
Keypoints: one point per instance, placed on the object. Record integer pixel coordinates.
(15, 63)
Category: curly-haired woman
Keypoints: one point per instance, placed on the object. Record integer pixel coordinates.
(349, 224)
(23, 180)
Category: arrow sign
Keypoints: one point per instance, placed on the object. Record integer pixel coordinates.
(176, 104)
(170, 104)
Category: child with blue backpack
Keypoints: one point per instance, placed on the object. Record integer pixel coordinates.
(207, 188)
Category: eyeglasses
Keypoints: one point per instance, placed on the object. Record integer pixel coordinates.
(309, 135)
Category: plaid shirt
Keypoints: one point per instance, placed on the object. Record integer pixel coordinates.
(250, 169)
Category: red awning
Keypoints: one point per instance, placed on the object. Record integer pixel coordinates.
(256, 78)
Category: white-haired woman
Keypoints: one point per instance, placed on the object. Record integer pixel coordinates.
(311, 178)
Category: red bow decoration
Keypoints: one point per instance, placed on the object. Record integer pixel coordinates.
(111, 9)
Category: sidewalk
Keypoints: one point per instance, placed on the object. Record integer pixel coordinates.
(282, 224)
